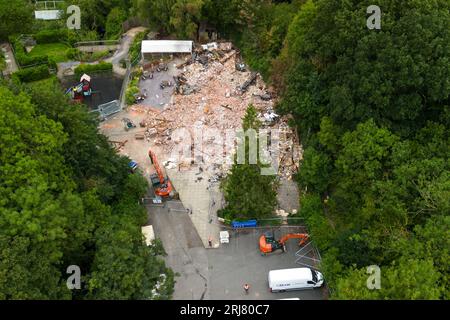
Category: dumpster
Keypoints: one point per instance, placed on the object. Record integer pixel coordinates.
(244, 224)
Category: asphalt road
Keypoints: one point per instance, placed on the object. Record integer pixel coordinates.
(185, 251)
(219, 274)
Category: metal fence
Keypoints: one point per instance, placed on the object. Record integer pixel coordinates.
(126, 81)
(106, 109)
(49, 5)
(97, 43)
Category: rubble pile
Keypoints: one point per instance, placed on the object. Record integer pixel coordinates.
(211, 92)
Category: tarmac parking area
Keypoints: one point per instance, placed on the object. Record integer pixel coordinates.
(239, 262)
(220, 273)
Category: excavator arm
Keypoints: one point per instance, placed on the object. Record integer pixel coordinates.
(165, 187)
(302, 236)
(156, 165)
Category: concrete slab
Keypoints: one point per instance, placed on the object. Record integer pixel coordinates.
(200, 199)
(288, 195)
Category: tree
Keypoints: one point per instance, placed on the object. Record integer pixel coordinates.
(16, 17)
(248, 193)
(36, 194)
(65, 197)
(315, 173)
(341, 69)
(26, 272)
(114, 22)
(186, 16)
(408, 279)
(124, 267)
(157, 13)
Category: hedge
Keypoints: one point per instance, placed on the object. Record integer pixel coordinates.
(135, 48)
(33, 73)
(51, 36)
(25, 60)
(90, 68)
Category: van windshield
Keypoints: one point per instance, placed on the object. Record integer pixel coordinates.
(314, 275)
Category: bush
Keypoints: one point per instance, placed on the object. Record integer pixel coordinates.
(33, 73)
(90, 68)
(52, 64)
(129, 95)
(2, 61)
(114, 22)
(99, 55)
(73, 53)
(51, 36)
(135, 48)
(25, 60)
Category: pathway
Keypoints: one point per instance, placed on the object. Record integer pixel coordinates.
(11, 65)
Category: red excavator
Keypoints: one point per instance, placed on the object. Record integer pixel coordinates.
(268, 244)
(162, 185)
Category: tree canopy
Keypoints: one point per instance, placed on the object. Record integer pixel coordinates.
(68, 199)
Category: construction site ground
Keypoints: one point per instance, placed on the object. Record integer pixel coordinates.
(211, 95)
(221, 273)
(207, 95)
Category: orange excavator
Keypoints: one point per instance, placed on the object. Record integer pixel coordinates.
(268, 244)
(162, 185)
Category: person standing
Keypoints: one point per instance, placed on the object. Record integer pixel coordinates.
(246, 288)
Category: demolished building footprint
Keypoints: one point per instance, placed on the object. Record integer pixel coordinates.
(213, 91)
(212, 95)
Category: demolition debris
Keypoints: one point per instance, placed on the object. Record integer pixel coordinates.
(213, 90)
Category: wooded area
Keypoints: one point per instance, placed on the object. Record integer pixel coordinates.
(372, 109)
(67, 199)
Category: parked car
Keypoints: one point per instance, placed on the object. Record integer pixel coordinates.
(133, 166)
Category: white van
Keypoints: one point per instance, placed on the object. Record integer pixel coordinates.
(294, 279)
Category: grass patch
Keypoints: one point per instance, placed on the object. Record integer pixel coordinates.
(55, 51)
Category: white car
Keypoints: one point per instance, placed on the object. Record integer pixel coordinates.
(224, 237)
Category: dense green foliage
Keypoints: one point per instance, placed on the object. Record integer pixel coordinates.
(373, 112)
(372, 108)
(33, 73)
(135, 49)
(95, 15)
(2, 61)
(248, 193)
(23, 59)
(15, 17)
(51, 36)
(114, 22)
(68, 199)
(91, 68)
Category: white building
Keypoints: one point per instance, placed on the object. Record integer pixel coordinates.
(166, 47)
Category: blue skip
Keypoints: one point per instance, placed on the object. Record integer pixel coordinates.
(244, 224)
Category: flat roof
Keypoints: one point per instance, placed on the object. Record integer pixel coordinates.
(166, 46)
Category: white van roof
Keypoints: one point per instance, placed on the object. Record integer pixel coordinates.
(290, 274)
